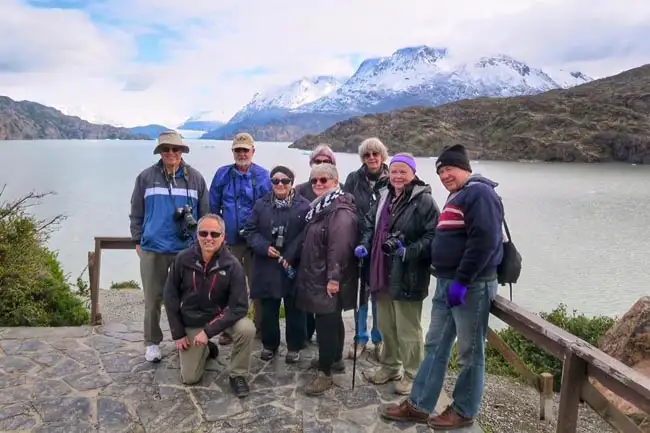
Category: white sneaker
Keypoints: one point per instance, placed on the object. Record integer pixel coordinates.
(153, 353)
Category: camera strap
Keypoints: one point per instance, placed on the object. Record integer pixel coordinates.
(169, 178)
(233, 177)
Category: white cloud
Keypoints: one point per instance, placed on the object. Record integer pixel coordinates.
(63, 58)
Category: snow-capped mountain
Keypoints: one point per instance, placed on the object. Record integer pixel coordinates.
(421, 75)
(430, 76)
(202, 121)
(282, 99)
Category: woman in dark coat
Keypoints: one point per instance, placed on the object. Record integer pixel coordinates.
(397, 234)
(327, 277)
(273, 231)
(364, 184)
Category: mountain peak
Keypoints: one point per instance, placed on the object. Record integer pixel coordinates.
(422, 51)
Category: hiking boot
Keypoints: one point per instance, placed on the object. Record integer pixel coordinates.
(213, 350)
(361, 349)
(404, 412)
(292, 357)
(449, 419)
(267, 354)
(239, 386)
(403, 387)
(319, 385)
(152, 354)
(382, 375)
(225, 339)
(337, 367)
(379, 350)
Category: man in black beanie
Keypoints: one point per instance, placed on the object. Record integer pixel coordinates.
(465, 251)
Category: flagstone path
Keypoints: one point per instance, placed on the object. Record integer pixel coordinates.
(78, 380)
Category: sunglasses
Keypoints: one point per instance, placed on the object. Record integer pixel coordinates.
(170, 149)
(322, 180)
(369, 154)
(213, 235)
(283, 181)
(321, 161)
(241, 150)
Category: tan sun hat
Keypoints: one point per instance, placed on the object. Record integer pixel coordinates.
(171, 138)
(243, 140)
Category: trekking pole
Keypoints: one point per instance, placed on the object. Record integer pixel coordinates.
(356, 323)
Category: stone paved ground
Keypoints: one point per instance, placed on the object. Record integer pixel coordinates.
(74, 380)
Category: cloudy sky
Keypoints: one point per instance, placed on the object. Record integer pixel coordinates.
(134, 62)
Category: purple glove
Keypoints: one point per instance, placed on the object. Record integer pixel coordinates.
(456, 294)
(401, 251)
(360, 251)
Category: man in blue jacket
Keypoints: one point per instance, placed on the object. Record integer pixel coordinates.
(466, 250)
(234, 190)
(168, 198)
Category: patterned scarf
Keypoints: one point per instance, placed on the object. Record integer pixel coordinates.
(284, 202)
(323, 202)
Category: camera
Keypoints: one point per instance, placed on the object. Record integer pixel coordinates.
(278, 234)
(390, 244)
(184, 215)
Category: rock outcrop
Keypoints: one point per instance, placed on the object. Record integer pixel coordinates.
(26, 120)
(629, 342)
(603, 120)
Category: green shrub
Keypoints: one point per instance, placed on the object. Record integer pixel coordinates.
(131, 284)
(33, 287)
(590, 329)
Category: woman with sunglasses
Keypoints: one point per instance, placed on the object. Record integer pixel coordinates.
(364, 185)
(397, 233)
(327, 277)
(273, 231)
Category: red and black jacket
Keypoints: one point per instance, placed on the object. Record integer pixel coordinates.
(211, 296)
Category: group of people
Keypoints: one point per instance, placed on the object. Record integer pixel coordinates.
(319, 248)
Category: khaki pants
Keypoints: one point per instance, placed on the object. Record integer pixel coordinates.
(154, 268)
(245, 257)
(193, 359)
(400, 326)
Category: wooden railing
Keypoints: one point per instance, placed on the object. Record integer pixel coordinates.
(582, 361)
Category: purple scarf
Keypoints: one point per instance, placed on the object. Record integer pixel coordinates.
(378, 265)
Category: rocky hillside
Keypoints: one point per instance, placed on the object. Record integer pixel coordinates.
(604, 120)
(26, 120)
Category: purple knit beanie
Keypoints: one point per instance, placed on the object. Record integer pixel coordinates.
(406, 159)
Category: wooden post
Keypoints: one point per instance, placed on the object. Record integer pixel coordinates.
(574, 374)
(93, 275)
(546, 397)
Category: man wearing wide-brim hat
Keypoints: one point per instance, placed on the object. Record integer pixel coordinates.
(168, 198)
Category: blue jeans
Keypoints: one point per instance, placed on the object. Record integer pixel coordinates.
(362, 319)
(469, 322)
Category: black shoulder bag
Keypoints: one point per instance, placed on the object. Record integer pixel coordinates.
(509, 269)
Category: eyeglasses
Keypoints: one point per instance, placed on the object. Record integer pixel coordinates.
(283, 181)
(369, 154)
(213, 235)
(322, 180)
(241, 150)
(170, 149)
(321, 161)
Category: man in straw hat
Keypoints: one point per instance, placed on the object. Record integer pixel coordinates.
(168, 198)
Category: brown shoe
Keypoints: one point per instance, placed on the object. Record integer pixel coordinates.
(319, 385)
(449, 419)
(403, 412)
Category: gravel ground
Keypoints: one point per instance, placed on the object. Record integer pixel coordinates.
(508, 406)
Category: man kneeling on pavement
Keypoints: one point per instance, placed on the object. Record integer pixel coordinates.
(205, 295)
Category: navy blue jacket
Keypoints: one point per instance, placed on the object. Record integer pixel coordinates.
(269, 277)
(154, 200)
(233, 195)
(468, 244)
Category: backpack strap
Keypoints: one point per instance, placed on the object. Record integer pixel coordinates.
(505, 225)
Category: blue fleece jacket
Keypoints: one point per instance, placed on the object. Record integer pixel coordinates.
(233, 195)
(153, 203)
(468, 244)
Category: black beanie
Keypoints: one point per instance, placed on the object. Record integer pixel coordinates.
(284, 170)
(455, 156)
